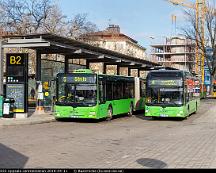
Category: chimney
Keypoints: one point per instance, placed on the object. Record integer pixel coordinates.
(115, 29)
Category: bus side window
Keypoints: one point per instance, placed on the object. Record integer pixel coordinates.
(109, 91)
(126, 90)
(102, 92)
(188, 97)
(142, 89)
(115, 91)
(118, 90)
(131, 90)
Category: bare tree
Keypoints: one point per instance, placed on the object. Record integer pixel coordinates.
(56, 22)
(80, 25)
(41, 16)
(36, 16)
(24, 16)
(195, 33)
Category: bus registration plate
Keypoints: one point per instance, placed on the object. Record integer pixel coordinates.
(163, 115)
(74, 116)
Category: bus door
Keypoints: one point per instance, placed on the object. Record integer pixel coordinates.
(137, 101)
(102, 111)
(48, 90)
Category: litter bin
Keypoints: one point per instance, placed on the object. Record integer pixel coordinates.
(1, 106)
(8, 108)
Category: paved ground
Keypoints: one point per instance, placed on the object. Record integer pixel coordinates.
(125, 142)
(33, 118)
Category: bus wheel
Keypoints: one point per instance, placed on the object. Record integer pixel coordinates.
(109, 114)
(130, 113)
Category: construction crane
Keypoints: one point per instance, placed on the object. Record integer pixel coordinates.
(200, 7)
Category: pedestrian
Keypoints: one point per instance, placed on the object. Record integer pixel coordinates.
(32, 93)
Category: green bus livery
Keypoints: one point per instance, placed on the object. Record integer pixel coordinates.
(84, 94)
(171, 93)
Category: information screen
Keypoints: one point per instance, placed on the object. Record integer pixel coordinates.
(78, 79)
(17, 67)
(165, 82)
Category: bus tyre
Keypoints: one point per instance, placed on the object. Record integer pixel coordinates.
(130, 113)
(109, 114)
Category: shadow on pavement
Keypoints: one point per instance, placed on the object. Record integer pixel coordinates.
(142, 117)
(10, 158)
(31, 111)
(80, 120)
(151, 163)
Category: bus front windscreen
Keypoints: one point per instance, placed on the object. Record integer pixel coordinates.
(77, 94)
(165, 96)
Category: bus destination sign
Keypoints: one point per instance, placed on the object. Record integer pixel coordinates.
(78, 79)
(165, 82)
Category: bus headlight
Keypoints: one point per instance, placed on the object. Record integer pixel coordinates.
(148, 100)
(92, 113)
(146, 110)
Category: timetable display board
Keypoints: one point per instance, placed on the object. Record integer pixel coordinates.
(17, 91)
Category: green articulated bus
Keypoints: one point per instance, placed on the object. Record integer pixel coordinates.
(171, 93)
(84, 94)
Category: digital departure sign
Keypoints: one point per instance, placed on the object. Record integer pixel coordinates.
(15, 59)
(78, 79)
(16, 67)
(165, 82)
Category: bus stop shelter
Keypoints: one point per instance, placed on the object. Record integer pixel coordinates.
(70, 49)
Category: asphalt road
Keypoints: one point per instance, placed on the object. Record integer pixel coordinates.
(124, 142)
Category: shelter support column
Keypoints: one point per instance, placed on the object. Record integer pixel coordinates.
(38, 65)
(104, 68)
(138, 73)
(87, 64)
(40, 94)
(66, 64)
(129, 71)
(118, 70)
(1, 68)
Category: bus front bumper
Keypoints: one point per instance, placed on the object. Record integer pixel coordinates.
(158, 111)
(79, 112)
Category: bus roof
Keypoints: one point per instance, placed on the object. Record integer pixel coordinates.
(83, 71)
(165, 71)
(88, 71)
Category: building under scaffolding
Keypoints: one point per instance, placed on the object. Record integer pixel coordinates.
(176, 52)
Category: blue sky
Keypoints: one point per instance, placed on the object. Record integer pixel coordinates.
(138, 19)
